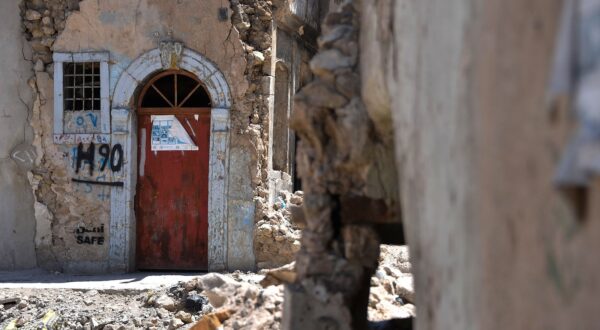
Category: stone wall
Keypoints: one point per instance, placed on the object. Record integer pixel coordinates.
(253, 20)
(345, 170)
(17, 249)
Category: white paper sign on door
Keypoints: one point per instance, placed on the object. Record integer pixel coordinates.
(169, 134)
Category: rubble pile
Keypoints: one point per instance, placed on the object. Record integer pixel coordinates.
(235, 301)
(93, 309)
(392, 291)
(231, 301)
(277, 239)
(249, 305)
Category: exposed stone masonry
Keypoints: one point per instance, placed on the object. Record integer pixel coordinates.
(336, 261)
(43, 20)
(276, 238)
(253, 20)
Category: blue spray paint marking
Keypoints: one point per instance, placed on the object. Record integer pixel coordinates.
(80, 121)
(73, 156)
(93, 118)
(103, 196)
(282, 202)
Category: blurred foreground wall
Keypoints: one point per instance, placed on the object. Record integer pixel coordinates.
(17, 250)
(495, 245)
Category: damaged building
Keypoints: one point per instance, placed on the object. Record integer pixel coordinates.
(467, 129)
(147, 134)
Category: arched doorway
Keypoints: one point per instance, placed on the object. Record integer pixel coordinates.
(171, 203)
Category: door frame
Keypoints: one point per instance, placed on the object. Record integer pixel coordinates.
(122, 229)
(175, 109)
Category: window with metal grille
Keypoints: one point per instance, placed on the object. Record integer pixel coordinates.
(81, 96)
(81, 84)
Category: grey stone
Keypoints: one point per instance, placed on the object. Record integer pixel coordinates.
(405, 288)
(162, 313)
(259, 57)
(184, 316)
(330, 60)
(94, 324)
(214, 280)
(32, 15)
(47, 21)
(321, 94)
(175, 323)
(39, 66)
(336, 33)
(165, 302)
(48, 30)
(348, 84)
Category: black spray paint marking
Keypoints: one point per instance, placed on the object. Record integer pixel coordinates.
(116, 167)
(100, 183)
(83, 235)
(91, 240)
(104, 151)
(113, 157)
(83, 230)
(87, 155)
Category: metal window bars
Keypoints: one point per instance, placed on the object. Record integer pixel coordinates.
(81, 85)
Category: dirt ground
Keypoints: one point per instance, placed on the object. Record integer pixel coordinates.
(239, 297)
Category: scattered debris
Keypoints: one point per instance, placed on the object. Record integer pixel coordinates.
(392, 289)
(231, 301)
(277, 276)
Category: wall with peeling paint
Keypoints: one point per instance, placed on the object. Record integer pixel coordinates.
(16, 155)
(127, 30)
(236, 37)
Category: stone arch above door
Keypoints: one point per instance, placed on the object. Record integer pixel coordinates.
(150, 62)
(123, 126)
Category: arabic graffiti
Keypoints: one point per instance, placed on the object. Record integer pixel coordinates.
(91, 236)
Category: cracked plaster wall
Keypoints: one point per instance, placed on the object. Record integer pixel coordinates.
(127, 30)
(16, 200)
(494, 243)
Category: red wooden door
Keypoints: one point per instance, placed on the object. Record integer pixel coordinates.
(172, 186)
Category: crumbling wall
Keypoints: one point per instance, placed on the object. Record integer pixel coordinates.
(253, 21)
(277, 238)
(240, 46)
(335, 155)
(16, 154)
(64, 207)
